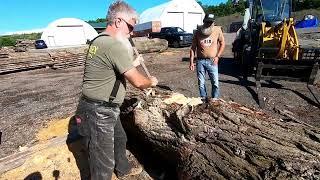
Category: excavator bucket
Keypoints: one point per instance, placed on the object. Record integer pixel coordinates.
(312, 56)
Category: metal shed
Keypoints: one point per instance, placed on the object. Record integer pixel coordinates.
(186, 14)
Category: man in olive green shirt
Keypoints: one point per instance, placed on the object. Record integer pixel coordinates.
(106, 56)
(109, 64)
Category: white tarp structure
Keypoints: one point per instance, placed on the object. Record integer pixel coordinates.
(68, 32)
(186, 14)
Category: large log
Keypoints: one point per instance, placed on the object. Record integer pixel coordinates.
(223, 140)
(146, 45)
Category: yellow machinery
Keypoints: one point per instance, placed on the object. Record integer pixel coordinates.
(284, 37)
(269, 48)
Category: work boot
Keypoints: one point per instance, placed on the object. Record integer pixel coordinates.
(136, 167)
(213, 99)
(204, 99)
(134, 171)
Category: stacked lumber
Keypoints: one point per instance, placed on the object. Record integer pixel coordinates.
(59, 60)
(16, 64)
(4, 55)
(68, 60)
(6, 51)
(222, 140)
(22, 45)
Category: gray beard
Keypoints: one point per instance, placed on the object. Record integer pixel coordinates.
(207, 31)
(126, 43)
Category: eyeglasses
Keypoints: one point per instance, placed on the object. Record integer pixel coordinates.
(130, 27)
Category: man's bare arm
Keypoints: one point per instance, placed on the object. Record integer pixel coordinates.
(221, 48)
(192, 53)
(138, 80)
(191, 66)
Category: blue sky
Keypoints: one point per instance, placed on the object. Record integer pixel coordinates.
(22, 15)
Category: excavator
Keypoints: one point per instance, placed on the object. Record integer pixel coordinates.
(269, 48)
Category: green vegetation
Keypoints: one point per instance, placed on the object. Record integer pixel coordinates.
(10, 40)
(226, 9)
(99, 20)
(299, 5)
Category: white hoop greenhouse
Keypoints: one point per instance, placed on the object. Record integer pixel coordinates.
(68, 32)
(186, 14)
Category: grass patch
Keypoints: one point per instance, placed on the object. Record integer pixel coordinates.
(10, 40)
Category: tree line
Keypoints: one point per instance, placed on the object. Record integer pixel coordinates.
(225, 9)
(10, 40)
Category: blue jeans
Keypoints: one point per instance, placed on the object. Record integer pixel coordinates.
(203, 66)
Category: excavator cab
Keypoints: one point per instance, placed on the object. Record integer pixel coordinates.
(273, 12)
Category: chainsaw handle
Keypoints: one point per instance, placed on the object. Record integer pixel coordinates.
(137, 54)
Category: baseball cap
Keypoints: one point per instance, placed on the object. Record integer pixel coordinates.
(209, 18)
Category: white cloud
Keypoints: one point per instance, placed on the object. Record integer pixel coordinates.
(23, 32)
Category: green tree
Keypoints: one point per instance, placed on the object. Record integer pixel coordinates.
(298, 5)
(99, 20)
(225, 9)
(7, 41)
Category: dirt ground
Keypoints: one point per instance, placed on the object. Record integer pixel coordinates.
(30, 100)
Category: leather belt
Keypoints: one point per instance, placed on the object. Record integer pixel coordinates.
(204, 58)
(99, 102)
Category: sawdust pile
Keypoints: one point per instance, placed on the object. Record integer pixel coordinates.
(48, 161)
(181, 99)
(45, 164)
(56, 128)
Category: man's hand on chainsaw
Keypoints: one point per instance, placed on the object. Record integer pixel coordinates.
(137, 61)
(154, 81)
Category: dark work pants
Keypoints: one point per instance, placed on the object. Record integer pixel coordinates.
(105, 138)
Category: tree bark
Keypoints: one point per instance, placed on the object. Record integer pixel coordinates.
(223, 140)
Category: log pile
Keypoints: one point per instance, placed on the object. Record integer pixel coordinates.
(65, 59)
(68, 59)
(4, 55)
(15, 64)
(223, 140)
(22, 45)
(146, 45)
(57, 60)
(5, 52)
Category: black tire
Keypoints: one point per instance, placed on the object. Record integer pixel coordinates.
(237, 56)
(176, 44)
(237, 51)
(245, 63)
